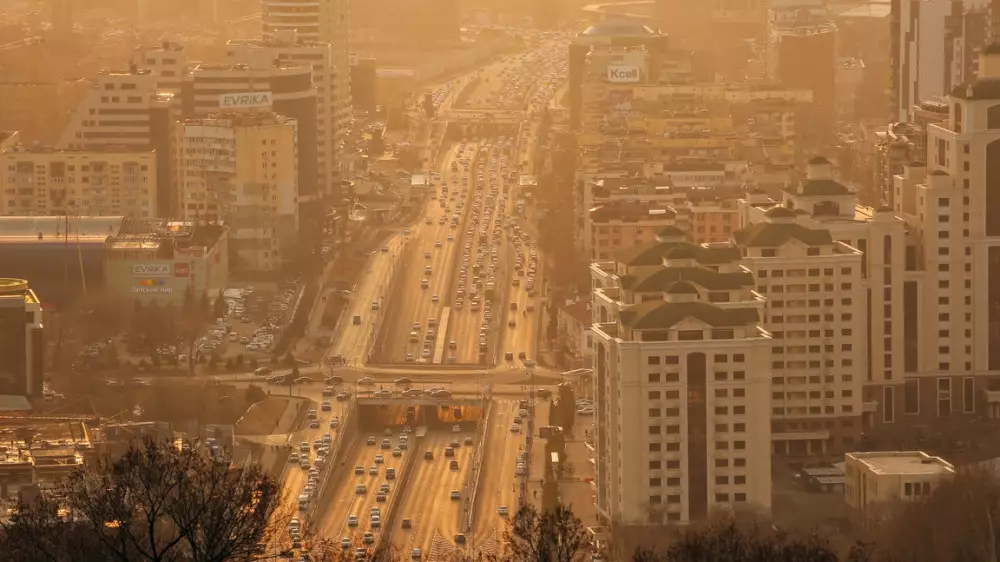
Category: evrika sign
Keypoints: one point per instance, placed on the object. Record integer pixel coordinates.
(623, 74)
(151, 270)
(245, 100)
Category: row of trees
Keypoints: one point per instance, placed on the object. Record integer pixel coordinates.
(160, 502)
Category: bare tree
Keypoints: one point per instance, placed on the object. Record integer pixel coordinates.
(728, 541)
(161, 503)
(554, 535)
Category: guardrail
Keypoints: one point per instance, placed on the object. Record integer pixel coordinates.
(347, 426)
(403, 264)
(472, 481)
(389, 522)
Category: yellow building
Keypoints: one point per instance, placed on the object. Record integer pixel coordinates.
(242, 169)
(43, 182)
(711, 221)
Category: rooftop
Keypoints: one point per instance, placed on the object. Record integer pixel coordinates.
(655, 315)
(619, 28)
(769, 234)
(902, 463)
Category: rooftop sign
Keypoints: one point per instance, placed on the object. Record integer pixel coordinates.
(623, 74)
(245, 100)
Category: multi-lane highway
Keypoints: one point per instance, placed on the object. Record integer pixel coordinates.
(430, 503)
(497, 482)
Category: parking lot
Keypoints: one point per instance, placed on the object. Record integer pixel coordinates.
(255, 316)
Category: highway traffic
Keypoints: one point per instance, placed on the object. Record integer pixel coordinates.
(461, 286)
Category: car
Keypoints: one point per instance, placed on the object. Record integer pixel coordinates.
(334, 423)
(453, 465)
(397, 452)
(359, 470)
(428, 455)
(503, 511)
(373, 470)
(371, 442)
(469, 440)
(384, 488)
(380, 497)
(369, 538)
(456, 428)
(407, 523)
(415, 554)
(459, 538)
(449, 452)
(361, 489)
(455, 495)
(386, 444)
(508, 356)
(314, 424)
(326, 406)
(345, 543)
(312, 414)
(366, 381)
(352, 520)
(379, 459)
(515, 428)
(385, 249)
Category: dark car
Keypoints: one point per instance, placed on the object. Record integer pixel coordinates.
(429, 455)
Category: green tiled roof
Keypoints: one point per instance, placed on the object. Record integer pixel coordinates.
(662, 315)
(823, 187)
(654, 252)
(764, 234)
(658, 279)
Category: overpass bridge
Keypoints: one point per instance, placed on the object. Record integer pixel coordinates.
(486, 115)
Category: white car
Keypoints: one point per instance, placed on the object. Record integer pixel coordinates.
(503, 511)
(456, 428)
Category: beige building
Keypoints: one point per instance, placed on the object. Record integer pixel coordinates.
(241, 168)
(619, 225)
(816, 308)
(21, 340)
(821, 202)
(874, 480)
(44, 182)
(682, 384)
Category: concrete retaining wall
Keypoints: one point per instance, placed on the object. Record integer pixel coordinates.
(348, 432)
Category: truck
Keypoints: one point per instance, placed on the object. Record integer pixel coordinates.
(491, 290)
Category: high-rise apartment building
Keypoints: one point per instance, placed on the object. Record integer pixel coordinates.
(682, 383)
(322, 22)
(101, 182)
(240, 168)
(285, 46)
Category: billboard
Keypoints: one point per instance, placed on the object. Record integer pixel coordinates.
(623, 74)
(151, 270)
(620, 100)
(182, 269)
(245, 100)
(152, 286)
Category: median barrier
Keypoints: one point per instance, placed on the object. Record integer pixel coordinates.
(389, 521)
(472, 483)
(346, 433)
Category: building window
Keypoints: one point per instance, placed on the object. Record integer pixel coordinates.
(943, 396)
(968, 395)
(911, 397)
(888, 405)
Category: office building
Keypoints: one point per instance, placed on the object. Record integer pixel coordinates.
(622, 224)
(282, 87)
(682, 384)
(285, 46)
(323, 22)
(100, 182)
(875, 481)
(167, 62)
(22, 347)
(241, 168)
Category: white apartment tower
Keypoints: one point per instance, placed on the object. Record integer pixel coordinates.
(816, 316)
(241, 168)
(952, 206)
(326, 21)
(682, 385)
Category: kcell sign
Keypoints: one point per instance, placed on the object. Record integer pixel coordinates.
(623, 74)
(182, 269)
(151, 270)
(245, 100)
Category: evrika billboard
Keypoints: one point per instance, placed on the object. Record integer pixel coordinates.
(245, 100)
(623, 74)
(151, 270)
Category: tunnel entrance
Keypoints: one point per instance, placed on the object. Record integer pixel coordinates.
(379, 416)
